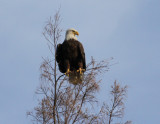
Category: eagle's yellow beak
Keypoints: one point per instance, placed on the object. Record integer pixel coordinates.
(76, 33)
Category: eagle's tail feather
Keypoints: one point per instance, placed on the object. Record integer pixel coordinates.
(76, 78)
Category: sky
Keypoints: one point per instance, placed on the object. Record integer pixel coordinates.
(127, 30)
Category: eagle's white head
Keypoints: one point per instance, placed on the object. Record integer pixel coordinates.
(71, 34)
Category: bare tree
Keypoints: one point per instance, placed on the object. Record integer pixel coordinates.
(62, 102)
(115, 109)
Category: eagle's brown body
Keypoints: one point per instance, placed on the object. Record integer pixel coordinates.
(70, 55)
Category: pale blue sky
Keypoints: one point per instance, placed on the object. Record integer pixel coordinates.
(128, 30)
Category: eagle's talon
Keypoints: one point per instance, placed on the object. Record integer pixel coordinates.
(67, 73)
(81, 70)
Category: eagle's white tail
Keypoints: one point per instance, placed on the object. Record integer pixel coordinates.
(76, 78)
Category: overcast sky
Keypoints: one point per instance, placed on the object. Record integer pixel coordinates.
(128, 30)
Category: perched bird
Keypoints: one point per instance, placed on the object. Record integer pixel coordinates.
(70, 55)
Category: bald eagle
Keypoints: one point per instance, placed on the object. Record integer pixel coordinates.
(70, 55)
